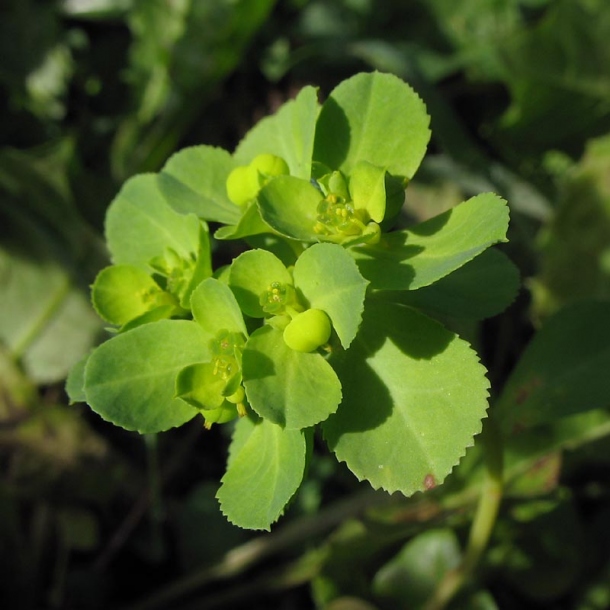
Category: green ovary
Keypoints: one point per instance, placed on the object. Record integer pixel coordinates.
(245, 181)
(308, 331)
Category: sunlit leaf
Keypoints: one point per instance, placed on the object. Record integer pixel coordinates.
(289, 134)
(130, 379)
(414, 395)
(290, 388)
(252, 274)
(289, 205)
(194, 180)
(140, 225)
(262, 475)
(427, 252)
(354, 121)
(215, 308)
(329, 279)
(482, 288)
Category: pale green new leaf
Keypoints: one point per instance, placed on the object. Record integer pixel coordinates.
(289, 134)
(262, 475)
(122, 293)
(215, 308)
(414, 395)
(329, 279)
(367, 189)
(250, 223)
(251, 275)
(140, 225)
(194, 180)
(289, 205)
(425, 253)
(376, 118)
(293, 389)
(130, 379)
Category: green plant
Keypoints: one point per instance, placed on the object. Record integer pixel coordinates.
(327, 321)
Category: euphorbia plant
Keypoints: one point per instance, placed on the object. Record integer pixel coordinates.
(326, 321)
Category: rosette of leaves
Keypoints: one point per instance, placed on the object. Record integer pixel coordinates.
(340, 309)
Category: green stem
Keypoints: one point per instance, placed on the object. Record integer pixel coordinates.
(483, 523)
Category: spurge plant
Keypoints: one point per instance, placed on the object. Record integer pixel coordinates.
(326, 319)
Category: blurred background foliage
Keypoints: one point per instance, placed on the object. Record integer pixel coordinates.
(94, 91)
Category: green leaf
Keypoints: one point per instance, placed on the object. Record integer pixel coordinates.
(41, 308)
(376, 118)
(367, 188)
(288, 134)
(293, 389)
(194, 180)
(289, 205)
(75, 383)
(251, 275)
(329, 279)
(197, 385)
(563, 371)
(123, 292)
(262, 475)
(414, 395)
(130, 379)
(140, 225)
(574, 246)
(432, 249)
(215, 308)
(201, 269)
(482, 288)
(525, 453)
(250, 223)
(410, 578)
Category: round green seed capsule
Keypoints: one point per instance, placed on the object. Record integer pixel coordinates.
(270, 165)
(242, 185)
(308, 330)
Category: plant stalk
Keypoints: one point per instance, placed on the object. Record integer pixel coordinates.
(483, 523)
